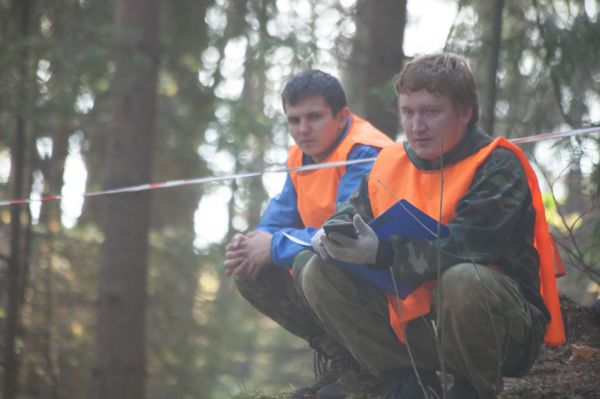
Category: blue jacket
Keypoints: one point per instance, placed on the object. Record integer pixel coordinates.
(281, 214)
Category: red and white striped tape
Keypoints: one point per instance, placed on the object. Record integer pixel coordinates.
(212, 179)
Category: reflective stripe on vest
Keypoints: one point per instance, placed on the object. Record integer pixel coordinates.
(317, 189)
(394, 169)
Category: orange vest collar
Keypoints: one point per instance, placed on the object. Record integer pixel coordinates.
(317, 189)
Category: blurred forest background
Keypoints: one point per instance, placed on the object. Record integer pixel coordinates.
(124, 296)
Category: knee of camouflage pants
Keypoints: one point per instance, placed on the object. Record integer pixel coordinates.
(274, 294)
(320, 341)
(487, 328)
(300, 262)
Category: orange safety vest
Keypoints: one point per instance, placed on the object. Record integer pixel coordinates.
(422, 187)
(317, 189)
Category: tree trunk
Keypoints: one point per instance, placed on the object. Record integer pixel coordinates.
(11, 362)
(121, 337)
(489, 103)
(377, 57)
(13, 280)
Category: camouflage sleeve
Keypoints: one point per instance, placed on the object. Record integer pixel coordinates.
(481, 229)
(357, 203)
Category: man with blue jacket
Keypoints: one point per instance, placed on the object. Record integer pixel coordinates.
(324, 131)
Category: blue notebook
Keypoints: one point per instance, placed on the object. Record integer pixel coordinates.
(403, 219)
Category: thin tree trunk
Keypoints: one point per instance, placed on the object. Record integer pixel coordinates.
(489, 103)
(11, 360)
(377, 56)
(52, 368)
(121, 335)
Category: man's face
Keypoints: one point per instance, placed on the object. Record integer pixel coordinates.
(432, 123)
(313, 126)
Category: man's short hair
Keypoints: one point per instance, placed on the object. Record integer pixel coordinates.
(311, 83)
(443, 74)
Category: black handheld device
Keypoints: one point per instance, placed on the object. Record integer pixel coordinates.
(345, 228)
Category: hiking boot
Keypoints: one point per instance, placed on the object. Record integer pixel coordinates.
(462, 389)
(353, 383)
(404, 384)
(311, 392)
(327, 370)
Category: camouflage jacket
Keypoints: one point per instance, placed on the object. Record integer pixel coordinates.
(493, 224)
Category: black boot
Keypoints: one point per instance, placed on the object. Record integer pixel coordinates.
(409, 383)
(462, 389)
(351, 384)
(327, 370)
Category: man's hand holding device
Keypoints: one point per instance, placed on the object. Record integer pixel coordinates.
(344, 228)
(341, 246)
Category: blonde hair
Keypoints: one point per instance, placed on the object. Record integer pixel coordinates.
(443, 74)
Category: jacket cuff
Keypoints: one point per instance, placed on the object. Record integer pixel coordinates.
(385, 254)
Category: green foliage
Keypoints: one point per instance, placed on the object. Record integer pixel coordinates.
(539, 59)
(548, 81)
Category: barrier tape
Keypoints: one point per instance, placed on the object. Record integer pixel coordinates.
(556, 135)
(212, 179)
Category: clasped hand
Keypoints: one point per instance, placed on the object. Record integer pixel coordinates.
(248, 254)
(362, 250)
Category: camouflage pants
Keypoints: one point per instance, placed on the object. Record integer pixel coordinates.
(274, 294)
(486, 330)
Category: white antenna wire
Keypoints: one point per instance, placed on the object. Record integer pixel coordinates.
(397, 295)
(439, 274)
(416, 219)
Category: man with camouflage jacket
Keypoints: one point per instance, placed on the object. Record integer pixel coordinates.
(477, 312)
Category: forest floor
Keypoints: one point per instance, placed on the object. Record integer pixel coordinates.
(571, 371)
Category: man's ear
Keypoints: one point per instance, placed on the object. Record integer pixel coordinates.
(343, 116)
(466, 113)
